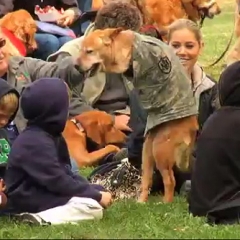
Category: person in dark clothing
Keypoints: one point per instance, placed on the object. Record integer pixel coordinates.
(215, 188)
(9, 102)
(47, 43)
(39, 176)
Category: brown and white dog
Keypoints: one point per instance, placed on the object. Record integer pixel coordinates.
(19, 29)
(167, 144)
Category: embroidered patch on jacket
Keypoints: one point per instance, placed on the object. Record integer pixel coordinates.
(165, 65)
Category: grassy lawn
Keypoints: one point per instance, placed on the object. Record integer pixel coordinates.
(152, 220)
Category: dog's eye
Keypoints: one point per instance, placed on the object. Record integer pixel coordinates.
(2, 42)
(89, 51)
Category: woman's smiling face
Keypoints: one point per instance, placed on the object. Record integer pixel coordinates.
(186, 46)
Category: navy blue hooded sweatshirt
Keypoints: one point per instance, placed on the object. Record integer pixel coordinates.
(39, 173)
(5, 88)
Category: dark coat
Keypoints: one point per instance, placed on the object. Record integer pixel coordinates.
(215, 190)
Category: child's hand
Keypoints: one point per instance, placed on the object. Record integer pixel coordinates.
(106, 199)
(2, 186)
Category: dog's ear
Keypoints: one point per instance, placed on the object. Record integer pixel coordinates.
(91, 126)
(9, 22)
(110, 34)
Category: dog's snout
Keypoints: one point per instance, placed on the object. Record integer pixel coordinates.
(34, 46)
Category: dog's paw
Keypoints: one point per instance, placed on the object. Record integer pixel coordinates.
(141, 200)
(113, 148)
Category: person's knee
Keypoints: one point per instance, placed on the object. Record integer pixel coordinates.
(63, 40)
(47, 41)
(47, 44)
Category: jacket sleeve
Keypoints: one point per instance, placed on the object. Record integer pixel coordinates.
(67, 71)
(47, 171)
(6, 6)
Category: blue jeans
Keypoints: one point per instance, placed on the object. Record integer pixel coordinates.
(74, 166)
(138, 120)
(48, 44)
(85, 6)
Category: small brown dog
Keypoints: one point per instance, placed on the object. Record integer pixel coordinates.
(89, 124)
(21, 24)
(163, 88)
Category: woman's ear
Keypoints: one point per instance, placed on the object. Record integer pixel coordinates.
(91, 127)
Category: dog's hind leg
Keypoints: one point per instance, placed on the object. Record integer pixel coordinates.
(164, 162)
(147, 169)
(164, 158)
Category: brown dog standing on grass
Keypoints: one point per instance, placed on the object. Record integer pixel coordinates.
(165, 92)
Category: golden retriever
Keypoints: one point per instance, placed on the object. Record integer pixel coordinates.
(21, 24)
(162, 13)
(99, 127)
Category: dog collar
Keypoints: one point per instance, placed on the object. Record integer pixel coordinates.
(77, 124)
(15, 41)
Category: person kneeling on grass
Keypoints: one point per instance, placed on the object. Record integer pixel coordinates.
(9, 102)
(41, 187)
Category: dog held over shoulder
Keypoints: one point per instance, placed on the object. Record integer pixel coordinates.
(164, 90)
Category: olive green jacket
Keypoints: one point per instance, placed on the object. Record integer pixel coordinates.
(165, 89)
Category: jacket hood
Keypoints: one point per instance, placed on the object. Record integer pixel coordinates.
(5, 88)
(45, 104)
(229, 86)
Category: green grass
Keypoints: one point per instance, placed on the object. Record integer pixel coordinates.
(153, 219)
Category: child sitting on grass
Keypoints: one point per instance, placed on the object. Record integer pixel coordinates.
(40, 184)
(9, 101)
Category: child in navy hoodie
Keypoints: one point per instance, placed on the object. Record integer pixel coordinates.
(40, 183)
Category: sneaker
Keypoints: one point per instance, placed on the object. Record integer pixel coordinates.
(186, 187)
(31, 218)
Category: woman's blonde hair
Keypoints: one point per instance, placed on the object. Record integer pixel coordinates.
(9, 102)
(185, 24)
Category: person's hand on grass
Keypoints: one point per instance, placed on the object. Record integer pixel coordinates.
(106, 199)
